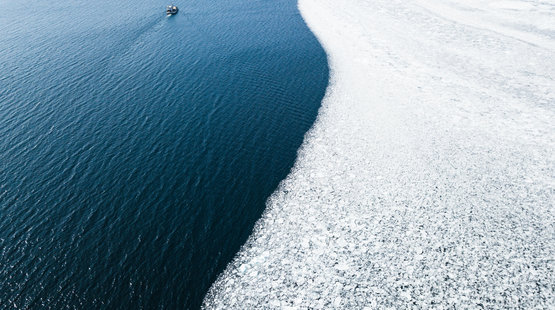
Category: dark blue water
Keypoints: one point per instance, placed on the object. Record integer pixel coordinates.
(136, 150)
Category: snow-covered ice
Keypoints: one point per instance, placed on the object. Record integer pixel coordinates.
(428, 179)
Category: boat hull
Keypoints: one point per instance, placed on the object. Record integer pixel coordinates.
(171, 10)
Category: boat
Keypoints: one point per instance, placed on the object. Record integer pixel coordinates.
(171, 10)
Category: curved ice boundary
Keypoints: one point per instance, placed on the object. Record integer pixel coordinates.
(428, 179)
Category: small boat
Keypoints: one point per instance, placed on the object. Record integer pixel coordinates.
(171, 10)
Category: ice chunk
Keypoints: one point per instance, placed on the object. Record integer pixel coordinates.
(428, 178)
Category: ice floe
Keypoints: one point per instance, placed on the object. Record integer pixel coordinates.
(428, 178)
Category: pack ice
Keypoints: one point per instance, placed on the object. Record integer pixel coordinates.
(428, 178)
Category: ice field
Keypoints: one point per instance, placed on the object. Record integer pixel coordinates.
(428, 178)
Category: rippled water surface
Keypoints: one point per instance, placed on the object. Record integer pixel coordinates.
(137, 150)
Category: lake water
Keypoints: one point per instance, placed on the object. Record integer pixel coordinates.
(138, 150)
